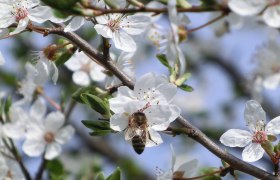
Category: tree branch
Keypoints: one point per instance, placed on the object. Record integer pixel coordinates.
(101, 11)
(196, 134)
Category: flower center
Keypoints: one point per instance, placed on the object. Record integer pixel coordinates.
(87, 67)
(50, 52)
(20, 13)
(114, 25)
(259, 137)
(49, 137)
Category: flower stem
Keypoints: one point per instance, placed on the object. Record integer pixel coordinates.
(18, 158)
(208, 23)
(41, 168)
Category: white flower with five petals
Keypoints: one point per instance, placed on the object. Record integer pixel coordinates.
(151, 89)
(20, 119)
(46, 135)
(21, 12)
(84, 69)
(269, 9)
(258, 134)
(119, 27)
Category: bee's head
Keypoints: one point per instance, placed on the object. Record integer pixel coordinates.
(140, 117)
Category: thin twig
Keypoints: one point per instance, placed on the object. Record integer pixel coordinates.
(100, 11)
(41, 169)
(208, 23)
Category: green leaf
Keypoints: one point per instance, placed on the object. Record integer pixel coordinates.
(183, 4)
(181, 80)
(207, 3)
(61, 4)
(97, 104)
(100, 132)
(186, 88)
(100, 128)
(100, 176)
(162, 58)
(116, 175)
(97, 125)
(56, 170)
(8, 104)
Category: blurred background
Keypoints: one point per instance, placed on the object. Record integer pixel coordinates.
(221, 60)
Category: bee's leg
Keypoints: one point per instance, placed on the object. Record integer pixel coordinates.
(149, 136)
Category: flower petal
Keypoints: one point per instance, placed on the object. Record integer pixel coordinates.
(236, 138)
(38, 109)
(135, 24)
(188, 168)
(271, 16)
(64, 134)
(52, 151)
(14, 130)
(247, 7)
(103, 30)
(81, 78)
(40, 14)
(252, 152)
(22, 24)
(158, 117)
(272, 82)
(75, 24)
(254, 115)
(43, 72)
(54, 121)
(33, 147)
(273, 126)
(123, 41)
(97, 73)
(119, 122)
(154, 139)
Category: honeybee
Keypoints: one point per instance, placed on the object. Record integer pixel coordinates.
(137, 131)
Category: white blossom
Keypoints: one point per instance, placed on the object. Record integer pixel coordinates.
(21, 119)
(21, 12)
(84, 69)
(178, 170)
(268, 71)
(124, 63)
(152, 90)
(46, 135)
(268, 8)
(255, 119)
(119, 27)
(45, 67)
(156, 121)
(167, 41)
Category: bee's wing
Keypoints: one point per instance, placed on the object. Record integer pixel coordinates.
(129, 133)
